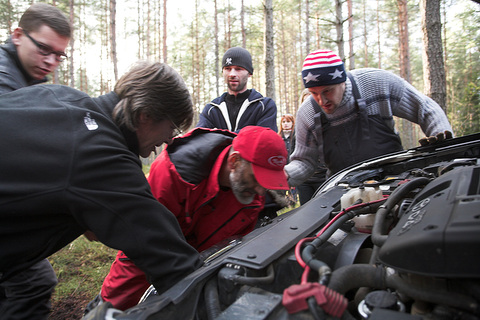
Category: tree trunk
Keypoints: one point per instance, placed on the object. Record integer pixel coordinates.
(269, 50)
(72, 48)
(139, 28)
(242, 20)
(9, 15)
(404, 61)
(113, 39)
(228, 37)
(196, 62)
(351, 54)
(299, 56)
(283, 69)
(104, 51)
(217, 57)
(379, 43)
(403, 40)
(433, 64)
(365, 36)
(307, 25)
(82, 35)
(165, 51)
(339, 28)
(149, 45)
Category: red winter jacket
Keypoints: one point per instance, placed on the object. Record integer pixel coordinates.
(184, 178)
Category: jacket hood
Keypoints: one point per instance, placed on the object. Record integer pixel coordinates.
(205, 144)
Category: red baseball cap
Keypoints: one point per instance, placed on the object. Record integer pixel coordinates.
(266, 151)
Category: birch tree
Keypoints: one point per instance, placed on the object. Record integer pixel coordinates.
(339, 28)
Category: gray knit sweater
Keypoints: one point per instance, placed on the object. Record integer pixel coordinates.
(385, 94)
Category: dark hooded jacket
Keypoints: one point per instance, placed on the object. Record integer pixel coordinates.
(66, 167)
(257, 110)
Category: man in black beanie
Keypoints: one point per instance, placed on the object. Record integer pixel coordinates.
(238, 107)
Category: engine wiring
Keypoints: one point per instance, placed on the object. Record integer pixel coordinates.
(298, 246)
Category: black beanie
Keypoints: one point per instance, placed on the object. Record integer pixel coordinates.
(238, 56)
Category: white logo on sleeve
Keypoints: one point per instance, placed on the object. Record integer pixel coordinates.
(90, 123)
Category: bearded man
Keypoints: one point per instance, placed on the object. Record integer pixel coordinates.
(214, 181)
(239, 106)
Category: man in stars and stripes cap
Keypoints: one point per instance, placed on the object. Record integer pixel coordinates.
(349, 116)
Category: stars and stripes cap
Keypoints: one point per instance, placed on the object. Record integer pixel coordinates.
(323, 68)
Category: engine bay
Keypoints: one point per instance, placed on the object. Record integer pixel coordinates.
(396, 237)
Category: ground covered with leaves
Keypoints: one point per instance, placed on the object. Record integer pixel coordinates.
(80, 267)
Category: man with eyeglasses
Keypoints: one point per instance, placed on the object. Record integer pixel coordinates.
(33, 51)
(35, 48)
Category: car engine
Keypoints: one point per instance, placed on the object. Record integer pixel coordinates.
(397, 237)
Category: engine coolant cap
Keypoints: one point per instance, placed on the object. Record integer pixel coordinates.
(381, 299)
(377, 301)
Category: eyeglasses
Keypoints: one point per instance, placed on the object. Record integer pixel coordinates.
(45, 50)
(176, 130)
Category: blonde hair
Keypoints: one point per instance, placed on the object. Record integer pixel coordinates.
(304, 95)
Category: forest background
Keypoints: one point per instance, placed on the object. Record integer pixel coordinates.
(192, 35)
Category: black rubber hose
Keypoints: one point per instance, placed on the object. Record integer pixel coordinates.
(354, 276)
(309, 251)
(212, 303)
(308, 256)
(315, 310)
(253, 281)
(317, 242)
(378, 231)
(364, 209)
